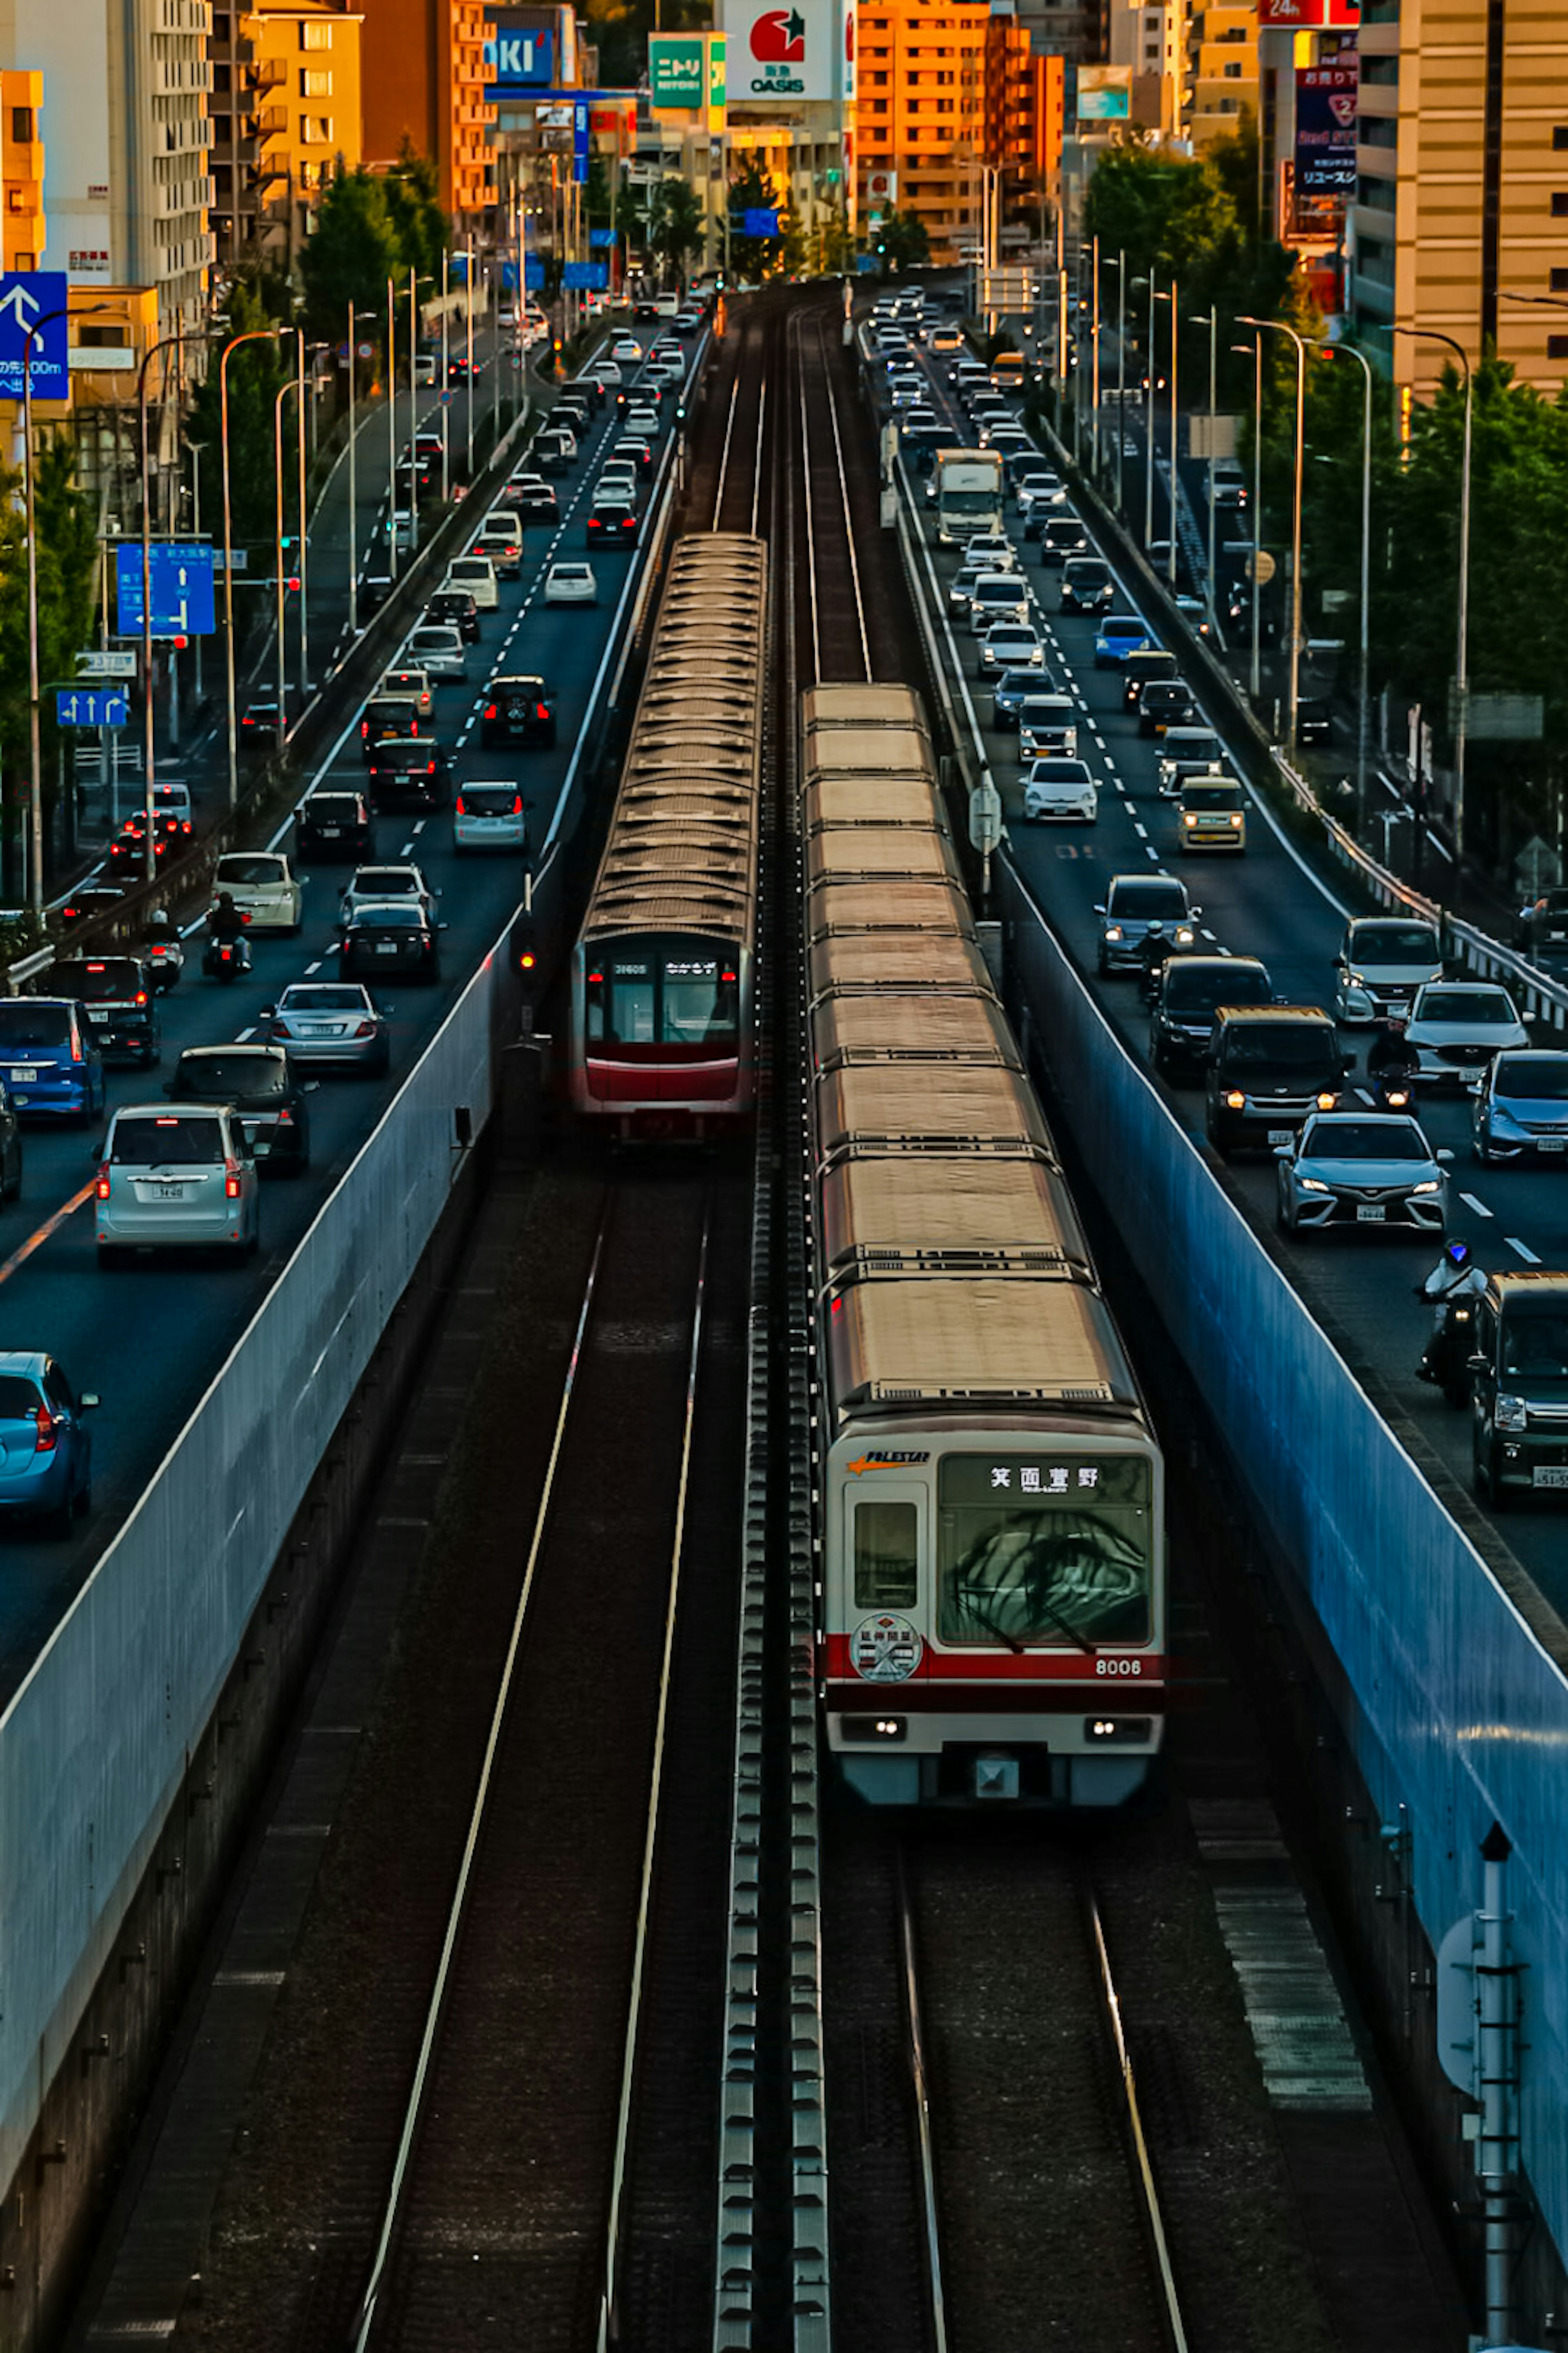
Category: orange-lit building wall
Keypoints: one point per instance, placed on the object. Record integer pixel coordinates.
(920, 111)
(423, 79)
(22, 168)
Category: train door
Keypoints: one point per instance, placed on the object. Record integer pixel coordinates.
(886, 1599)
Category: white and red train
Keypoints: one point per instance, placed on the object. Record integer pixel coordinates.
(991, 1495)
(663, 971)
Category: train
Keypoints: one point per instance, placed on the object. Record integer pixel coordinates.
(663, 972)
(991, 1498)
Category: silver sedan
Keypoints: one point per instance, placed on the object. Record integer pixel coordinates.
(333, 1023)
(1373, 1169)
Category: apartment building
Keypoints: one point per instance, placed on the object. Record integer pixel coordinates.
(22, 167)
(285, 111)
(1025, 92)
(1460, 218)
(1146, 37)
(423, 79)
(1222, 67)
(919, 113)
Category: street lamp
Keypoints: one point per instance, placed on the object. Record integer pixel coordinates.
(354, 487)
(289, 385)
(1119, 266)
(391, 429)
(1094, 371)
(1281, 328)
(1171, 298)
(1364, 721)
(1462, 658)
(1255, 678)
(1149, 427)
(251, 335)
(1212, 322)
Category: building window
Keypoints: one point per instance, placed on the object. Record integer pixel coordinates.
(26, 261)
(316, 130)
(315, 37)
(1557, 347)
(22, 125)
(1560, 136)
(1560, 281)
(1232, 73)
(315, 85)
(1560, 203)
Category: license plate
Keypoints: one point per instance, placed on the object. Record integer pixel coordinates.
(1553, 1143)
(1282, 1135)
(386, 948)
(1370, 1213)
(98, 1013)
(330, 832)
(1550, 1475)
(23, 1075)
(168, 1192)
(313, 1029)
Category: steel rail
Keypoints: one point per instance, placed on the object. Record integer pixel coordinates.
(724, 453)
(805, 486)
(365, 2319)
(844, 493)
(919, 2081)
(1171, 2302)
(757, 472)
(609, 2305)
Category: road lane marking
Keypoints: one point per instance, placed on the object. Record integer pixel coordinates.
(310, 968)
(1479, 1208)
(1522, 1249)
(20, 1256)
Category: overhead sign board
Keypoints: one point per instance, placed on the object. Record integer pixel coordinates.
(180, 572)
(1326, 104)
(805, 50)
(585, 277)
(34, 333)
(760, 220)
(91, 706)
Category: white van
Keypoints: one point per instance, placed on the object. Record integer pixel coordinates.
(500, 539)
(477, 573)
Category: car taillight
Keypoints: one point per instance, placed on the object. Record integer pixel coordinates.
(365, 1029)
(490, 710)
(542, 710)
(232, 1185)
(103, 1181)
(49, 1431)
(76, 1046)
(462, 808)
(517, 805)
(285, 1118)
(141, 997)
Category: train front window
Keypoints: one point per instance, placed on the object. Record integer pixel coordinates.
(886, 1556)
(698, 1003)
(662, 996)
(1056, 1548)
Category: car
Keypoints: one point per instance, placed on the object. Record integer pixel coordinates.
(946, 340)
(1139, 670)
(1213, 813)
(1062, 535)
(500, 539)
(997, 596)
(256, 1082)
(439, 647)
(1522, 1110)
(476, 574)
(398, 530)
(535, 499)
(1383, 960)
(1048, 723)
(369, 885)
(1039, 484)
(686, 322)
(46, 1444)
(264, 887)
(50, 1062)
(1165, 702)
(1056, 787)
(91, 899)
(261, 724)
(983, 560)
(639, 452)
(1361, 1169)
(128, 850)
(1185, 753)
(425, 369)
(374, 591)
(519, 709)
(174, 1178)
(1313, 719)
(554, 451)
(489, 817)
(571, 584)
(392, 714)
(409, 686)
(1457, 1026)
(1119, 635)
(644, 421)
(330, 1024)
(452, 608)
(334, 824)
(427, 447)
(1189, 990)
(457, 368)
(1086, 584)
(1267, 1069)
(1012, 689)
(613, 523)
(410, 776)
(117, 994)
(1133, 901)
(626, 351)
(390, 935)
(1541, 928)
(1011, 645)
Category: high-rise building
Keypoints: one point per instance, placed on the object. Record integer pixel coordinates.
(22, 167)
(919, 114)
(124, 123)
(1025, 100)
(1461, 196)
(423, 76)
(1222, 67)
(285, 110)
(1145, 39)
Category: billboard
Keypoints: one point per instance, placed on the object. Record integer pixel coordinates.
(519, 55)
(804, 51)
(1104, 93)
(686, 73)
(1326, 101)
(1309, 16)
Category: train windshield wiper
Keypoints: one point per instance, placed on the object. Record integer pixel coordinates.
(1049, 1609)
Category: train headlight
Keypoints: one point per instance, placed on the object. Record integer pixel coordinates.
(869, 1730)
(1126, 1731)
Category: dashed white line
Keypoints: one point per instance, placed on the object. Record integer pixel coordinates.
(310, 968)
(1479, 1208)
(1521, 1249)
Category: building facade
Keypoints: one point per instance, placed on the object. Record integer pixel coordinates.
(284, 112)
(1145, 38)
(1222, 67)
(22, 166)
(423, 79)
(919, 113)
(1025, 92)
(1460, 218)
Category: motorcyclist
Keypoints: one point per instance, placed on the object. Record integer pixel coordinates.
(1158, 946)
(225, 922)
(1455, 1277)
(165, 954)
(1392, 1060)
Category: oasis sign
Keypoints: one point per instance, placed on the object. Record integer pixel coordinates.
(805, 50)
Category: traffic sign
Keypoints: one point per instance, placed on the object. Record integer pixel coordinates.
(91, 706)
(27, 297)
(589, 277)
(1261, 567)
(180, 572)
(985, 817)
(760, 220)
(98, 661)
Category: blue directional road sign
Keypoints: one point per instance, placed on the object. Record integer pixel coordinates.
(27, 296)
(534, 273)
(91, 706)
(758, 222)
(586, 277)
(580, 131)
(181, 574)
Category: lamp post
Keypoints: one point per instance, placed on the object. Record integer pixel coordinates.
(149, 777)
(195, 448)
(1212, 324)
(354, 487)
(468, 311)
(1174, 299)
(1363, 707)
(1119, 266)
(392, 427)
(412, 410)
(1094, 387)
(1462, 654)
(1149, 428)
(1255, 680)
(284, 389)
(446, 385)
(1281, 328)
(251, 335)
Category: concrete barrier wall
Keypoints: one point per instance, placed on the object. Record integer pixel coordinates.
(95, 1742)
(1458, 1712)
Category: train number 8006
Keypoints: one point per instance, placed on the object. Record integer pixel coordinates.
(1119, 1666)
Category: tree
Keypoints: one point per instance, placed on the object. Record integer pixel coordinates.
(421, 229)
(353, 252)
(255, 376)
(753, 191)
(68, 567)
(677, 230)
(901, 242)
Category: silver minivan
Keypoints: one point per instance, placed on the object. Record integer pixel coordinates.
(176, 1179)
(997, 596)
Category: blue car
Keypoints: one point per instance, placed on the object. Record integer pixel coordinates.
(1522, 1109)
(48, 1061)
(1119, 635)
(46, 1447)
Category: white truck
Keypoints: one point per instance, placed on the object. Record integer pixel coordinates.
(968, 494)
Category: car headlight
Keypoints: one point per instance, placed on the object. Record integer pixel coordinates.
(1112, 934)
(1502, 1117)
(1510, 1413)
(1234, 1101)
(1430, 1185)
(1327, 1101)
(1189, 817)
(1357, 980)
(1236, 816)
(1314, 1184)
(1185, 935)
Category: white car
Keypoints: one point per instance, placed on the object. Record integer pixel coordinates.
(571, 584)
(371, 885)
(627, 349)
(643, 421)
(1056, 787)
(1011, 645)
(263, 887)
(607, 373)
(616, 487)
(399, 528)
(1382, 960)
(489, 817)
(476, 574)
(410, 686)
(1457, 1026)
(178, 1178)
(437, 647)
(998, 596)
(500, 539)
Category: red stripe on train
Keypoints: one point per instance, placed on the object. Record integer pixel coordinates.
(1107, 1671)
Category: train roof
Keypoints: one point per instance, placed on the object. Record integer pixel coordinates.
(841, 853)
(860, 706)
(922, 1106)
(863, 750)
(947, 1210)
(938, 908)
(914, 1027)
(878, 962)
(905, 1340)
(852, 800)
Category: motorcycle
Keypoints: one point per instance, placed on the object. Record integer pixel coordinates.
(1452, 1288)
(1395, 1090)
(165, 961)
(226, 960)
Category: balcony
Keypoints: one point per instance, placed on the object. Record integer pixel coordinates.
(269, 75)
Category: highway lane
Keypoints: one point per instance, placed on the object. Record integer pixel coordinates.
(150, 1338)
(1269, 902)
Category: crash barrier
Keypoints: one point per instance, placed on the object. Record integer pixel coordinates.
(1453, 1707)
(96, 1743)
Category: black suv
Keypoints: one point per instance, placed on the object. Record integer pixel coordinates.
(410, 775)
(260, 1083)
(457, 609)
(1165, 702)
(391, 714)
(334, 825)
(1520, 1393)
(518, 710)
(119, 1000)
(1190, 990)
(1269, 1068)
(1139, 670)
